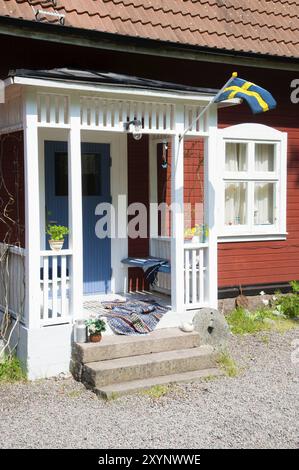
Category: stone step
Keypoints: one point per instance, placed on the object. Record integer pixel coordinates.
(113, 347)
(125, 388)
(99, 374)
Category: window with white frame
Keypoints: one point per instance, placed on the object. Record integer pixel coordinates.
(253, 181)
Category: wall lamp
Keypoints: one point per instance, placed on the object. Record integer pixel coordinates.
(134, 127)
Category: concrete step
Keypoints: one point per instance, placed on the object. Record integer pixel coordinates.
(99, 374)
(125, 388)
(113, 347)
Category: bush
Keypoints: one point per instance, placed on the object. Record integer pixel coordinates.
(288, 305)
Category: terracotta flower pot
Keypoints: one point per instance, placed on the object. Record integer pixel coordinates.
(95, 338)
(56, 245)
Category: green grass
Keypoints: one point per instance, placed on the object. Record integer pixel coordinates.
(157, 391)
(242, 321)
(227, 364)
(11, 370)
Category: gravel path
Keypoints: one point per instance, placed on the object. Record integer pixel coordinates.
(256, 409)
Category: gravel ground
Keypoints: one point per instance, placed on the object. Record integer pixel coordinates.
(256, 409)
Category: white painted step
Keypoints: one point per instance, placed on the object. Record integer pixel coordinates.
(125, 388)
(99, 374)
(116, 346)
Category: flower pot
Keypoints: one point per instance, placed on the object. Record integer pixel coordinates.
(196, 239)
(56, 245)
(95, 337)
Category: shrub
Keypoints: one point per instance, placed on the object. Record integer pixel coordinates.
(288, 305)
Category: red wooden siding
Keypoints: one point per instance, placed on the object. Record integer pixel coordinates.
(138, 191)
(12, 211)
(277, 261)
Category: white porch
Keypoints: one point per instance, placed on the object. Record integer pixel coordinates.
(49, 109)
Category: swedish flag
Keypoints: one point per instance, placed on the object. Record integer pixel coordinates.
(259, 99)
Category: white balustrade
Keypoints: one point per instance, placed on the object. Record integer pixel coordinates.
(195, 268)
(54, 286)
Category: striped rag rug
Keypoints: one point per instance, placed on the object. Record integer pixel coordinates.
(136, 317)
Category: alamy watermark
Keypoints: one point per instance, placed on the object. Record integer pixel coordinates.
(295, 91)
(137, 220)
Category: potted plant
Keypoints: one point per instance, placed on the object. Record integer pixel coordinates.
(57, 234)
(95, 327)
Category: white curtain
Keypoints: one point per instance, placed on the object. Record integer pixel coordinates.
(264, 157)
(264, 203)
(235, 203)
(235, 156)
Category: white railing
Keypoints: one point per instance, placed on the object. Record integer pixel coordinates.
(195, 267)
(54, 287)
(12, 279)
(160, 247)
(195, 270)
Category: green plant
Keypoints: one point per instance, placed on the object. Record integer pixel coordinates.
(157, 391)
(228, 364)
(57, 232)
(11, 370)
(242, 322)
(287, 305)
(95, 326)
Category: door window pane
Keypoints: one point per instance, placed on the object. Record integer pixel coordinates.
(264, 203)
(264, 157)
(235, 156)
(61, 174)
(91, 178)
(235, 203)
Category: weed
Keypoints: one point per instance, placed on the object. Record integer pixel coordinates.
(11, 370)
(228, 364)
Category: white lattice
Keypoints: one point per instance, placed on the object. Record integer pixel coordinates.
(200, 126)
(52, 109)
(112, 114)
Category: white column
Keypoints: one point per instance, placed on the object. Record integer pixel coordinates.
(32, 212)
(211, 188)
(75, 209)
(177, 200)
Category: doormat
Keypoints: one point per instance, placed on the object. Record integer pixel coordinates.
(136, 317)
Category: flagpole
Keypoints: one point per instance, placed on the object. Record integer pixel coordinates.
(234, 75)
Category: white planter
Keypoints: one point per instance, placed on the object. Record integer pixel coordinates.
(56, 245)
(196, 239)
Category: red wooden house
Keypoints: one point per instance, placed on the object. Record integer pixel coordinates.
(81, 72)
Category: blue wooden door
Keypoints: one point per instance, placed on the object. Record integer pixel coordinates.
(95, 160)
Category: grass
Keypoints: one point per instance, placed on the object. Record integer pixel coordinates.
(242, 321)
(11, 370)
(228, 364)
(157, 391)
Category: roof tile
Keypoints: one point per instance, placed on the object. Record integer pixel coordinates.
(258, 26)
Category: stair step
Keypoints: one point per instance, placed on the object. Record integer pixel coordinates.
(113, 347)
(125, 388)
(99, 374)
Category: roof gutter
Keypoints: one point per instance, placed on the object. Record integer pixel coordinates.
(120, 43)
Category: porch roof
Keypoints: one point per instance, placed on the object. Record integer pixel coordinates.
(68, 75)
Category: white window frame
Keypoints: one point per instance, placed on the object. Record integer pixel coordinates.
(252, 134)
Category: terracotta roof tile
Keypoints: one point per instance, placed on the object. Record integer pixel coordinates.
(258, 26)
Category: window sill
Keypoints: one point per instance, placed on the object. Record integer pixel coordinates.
(252, 237)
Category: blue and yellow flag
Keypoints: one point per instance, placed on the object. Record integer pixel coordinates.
(259, 99)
